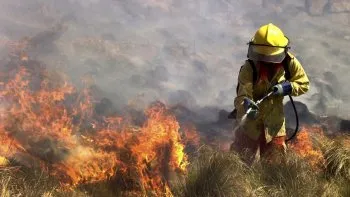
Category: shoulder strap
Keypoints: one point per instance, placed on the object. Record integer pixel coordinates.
(237, 87)
(255, 75)
(286, 63)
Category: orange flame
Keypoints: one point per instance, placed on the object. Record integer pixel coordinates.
(39, 120)
(305, 147)
(155, 149)
(191, 135)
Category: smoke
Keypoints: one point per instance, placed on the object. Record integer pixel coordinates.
(179, 52)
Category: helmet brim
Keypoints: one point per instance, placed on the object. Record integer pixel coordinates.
(266, 53)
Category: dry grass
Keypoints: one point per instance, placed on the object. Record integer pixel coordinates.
(215, 173)
(337, 156)
(15, 181)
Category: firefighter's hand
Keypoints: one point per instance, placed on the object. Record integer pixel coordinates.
(282, 89)
(250, 108)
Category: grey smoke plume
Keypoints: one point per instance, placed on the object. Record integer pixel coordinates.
(180, 52)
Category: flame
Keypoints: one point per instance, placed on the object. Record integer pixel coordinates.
(55, 125)
(191, 135)
(155, 149)
(161, 129)
(86, 165)
(305, 147)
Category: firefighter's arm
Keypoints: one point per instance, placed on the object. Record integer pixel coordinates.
(299, 80)
(245, 88)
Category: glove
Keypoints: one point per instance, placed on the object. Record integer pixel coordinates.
(253, 113)
(282, 89)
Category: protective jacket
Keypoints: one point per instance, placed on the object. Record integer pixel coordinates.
(271, 118)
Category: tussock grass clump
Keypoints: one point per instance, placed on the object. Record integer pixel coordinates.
(24, 182)
(337, 163)
(21, 181)
(292, 177)
(215, 173)
(337, 157)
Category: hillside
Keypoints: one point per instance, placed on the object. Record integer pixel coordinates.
(130, 98)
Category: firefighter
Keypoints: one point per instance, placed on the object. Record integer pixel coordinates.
(270, 66)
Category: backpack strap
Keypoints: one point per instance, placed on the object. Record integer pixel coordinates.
(255, 73)
(285, 64)
(237, 87)
(233, 114)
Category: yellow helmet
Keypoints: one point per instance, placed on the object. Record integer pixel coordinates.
(269, 44)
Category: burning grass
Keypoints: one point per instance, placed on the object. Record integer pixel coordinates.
(210, 173)
(305, 146)
(217, 173)
(54, 144)
(48, 124)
